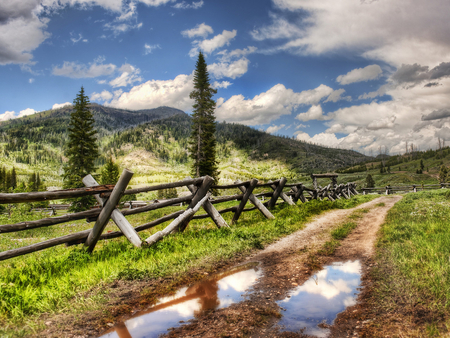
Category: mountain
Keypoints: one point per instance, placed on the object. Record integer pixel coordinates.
(154, 141)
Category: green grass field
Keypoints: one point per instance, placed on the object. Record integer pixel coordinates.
(414, 258)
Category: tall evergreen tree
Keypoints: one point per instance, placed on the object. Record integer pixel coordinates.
(110, 172)
(202, 144)
(81, 149)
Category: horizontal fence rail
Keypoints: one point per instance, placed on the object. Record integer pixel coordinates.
(199, 197)
(405, 188)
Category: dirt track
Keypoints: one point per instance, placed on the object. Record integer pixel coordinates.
(286, 264)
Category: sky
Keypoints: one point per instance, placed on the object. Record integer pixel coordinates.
(368, 75)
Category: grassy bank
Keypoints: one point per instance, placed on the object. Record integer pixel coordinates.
(413, 278)
(53, 280)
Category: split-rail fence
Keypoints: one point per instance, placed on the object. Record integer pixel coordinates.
(108, 197)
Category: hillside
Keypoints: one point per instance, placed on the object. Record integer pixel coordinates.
(153, 143)
(400, 169)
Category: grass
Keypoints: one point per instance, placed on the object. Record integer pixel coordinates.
(49, 280)
(414, 255)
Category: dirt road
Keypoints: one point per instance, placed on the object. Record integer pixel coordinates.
(290, 262)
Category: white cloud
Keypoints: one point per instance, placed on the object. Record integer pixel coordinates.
(395, 32)
(414, 114)
(31, 80)
(302, 136)
(7, 115)
(226, 56)
(60, 105)
(200, 30)
(313, 113)
(156, 93)
(150, 48)
(10, 115)
(184, 5)
(20, 35)
(118, 28)
(208, 46)
(370, 72)
(379, 92)
(268, 106)
(129, 76)
(232, 70)
(279, 29)
(26, 112)
(336, 96)
(223, 84)
(274, 129)
(77, 70)
(103, 96)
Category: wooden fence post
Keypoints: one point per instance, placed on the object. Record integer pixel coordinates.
(201, 192)
(257, 203)
(244, 200)
(276, 193)
(176, 223)
(210, 210)
(107, 209)
(120, 220)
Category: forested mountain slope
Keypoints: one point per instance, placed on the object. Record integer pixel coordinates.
(155, 140)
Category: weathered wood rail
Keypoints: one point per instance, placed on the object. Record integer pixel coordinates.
(108, 197)
(388, 190)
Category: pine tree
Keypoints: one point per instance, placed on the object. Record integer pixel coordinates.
(81, 149)
(110, 172)
(443, 174)
(202, 144)
(13, 179)
(370, 183)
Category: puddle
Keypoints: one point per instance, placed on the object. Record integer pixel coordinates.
(216, 292)
(321, 298)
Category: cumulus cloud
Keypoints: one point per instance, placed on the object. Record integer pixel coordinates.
(414, 115)
(371, 72)
(156, 93)
(268, 106)
(9, 115)
(436, 115)
(394, 32)
(129, 76)
(313, 113)
(78, 70)
(280, 28)
(60, 105)
(415, 73)
(232, 70)
(184, 5)
(386, 123)
(20, 34)
(379, 92)
(274, 129)
(103, 96)
(336, 96)
(222, 84)
(208, 46)
(200, 30)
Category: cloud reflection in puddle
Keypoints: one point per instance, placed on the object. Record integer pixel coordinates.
(321, 298)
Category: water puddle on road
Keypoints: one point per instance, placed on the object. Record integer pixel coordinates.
(218, 291)
(320, 299)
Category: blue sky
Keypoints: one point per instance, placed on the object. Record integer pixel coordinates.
(356, 74)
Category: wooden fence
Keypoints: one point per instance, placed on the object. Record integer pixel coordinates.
(200, 196)
(388, 190)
